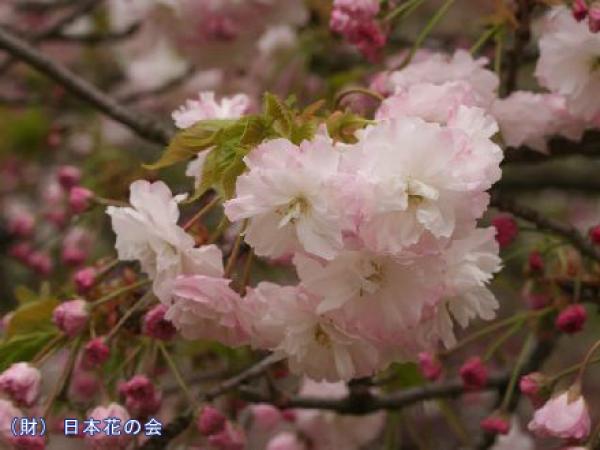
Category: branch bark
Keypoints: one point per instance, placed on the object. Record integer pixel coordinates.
(144, 127)
(542, 222)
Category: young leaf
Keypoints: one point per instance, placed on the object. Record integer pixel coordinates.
(189, 142)
(32, 316)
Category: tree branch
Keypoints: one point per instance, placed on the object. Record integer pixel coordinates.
(558, 146)
(542, 222)
(178, 426)
(144, 127)
(373, 402)
(82, 8)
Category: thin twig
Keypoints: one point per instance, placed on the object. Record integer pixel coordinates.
(144, 127)
(545, 223)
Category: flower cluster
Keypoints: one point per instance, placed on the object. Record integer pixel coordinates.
(382, 233)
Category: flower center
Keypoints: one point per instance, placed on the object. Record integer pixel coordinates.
(321, 337)
(372, 277)
(291, 212)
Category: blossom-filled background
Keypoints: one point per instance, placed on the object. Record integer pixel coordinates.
(299, 224)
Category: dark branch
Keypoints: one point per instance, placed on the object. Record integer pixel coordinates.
(558, 146)
(178, 426)
(544, 223)
(522, 35)
(144, 127)
(82, 8)
(373, 402)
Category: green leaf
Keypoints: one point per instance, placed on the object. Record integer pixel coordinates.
(25, 295)
(23, 347)
(31, 317)
(405, 375)
(279, 113)
(342, 126)
(303, 131)
(189, 142)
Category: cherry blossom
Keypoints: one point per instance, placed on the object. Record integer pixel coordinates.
(568, 63)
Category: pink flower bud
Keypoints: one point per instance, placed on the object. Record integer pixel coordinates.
(21, 225)
(68, 176)
(495, 424)
(537, 300)
(84, 279)
(230, 438)
(95, 353)
(536, 262)
(71, 317)
(286, 441)
(289, 415)
(506, 229)
(430, 366)
(141, 397)
(594, 17)
(40, 262)
(155, 325)
(579, 9)
(80, 199)
(21, 382)
(210, 421)
(571, 319)
(266, 417)
(474, 373)
(532, 385)
(84, 385)
(564, 416)
(594, 234)
(21, 251)
(57, 217)
(73, 256)
(221, 28)
(28, 442)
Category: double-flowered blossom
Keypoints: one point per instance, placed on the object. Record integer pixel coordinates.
(207, 107)
(288, 195)
(382, 233)
(439, 68)
(148, 232)
(569, 62)
(204, 306)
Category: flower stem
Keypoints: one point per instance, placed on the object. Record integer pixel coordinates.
(118, 292)
(487, 34)
(177, 374)
(356, 90)
(517, 371)
(406, 7)
(206, 208)
(587, 360)
(441, 12)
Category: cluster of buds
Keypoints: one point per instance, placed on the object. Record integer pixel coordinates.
(583, 9)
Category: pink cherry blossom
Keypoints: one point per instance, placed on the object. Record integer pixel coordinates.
(266, 417)
(206, 107)
(21, 382)
(285, 440)
(530, 119)
(439, 68)
(566, 64)
(565, 416)
(289, 198)
(84, 279)
(204, 307)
